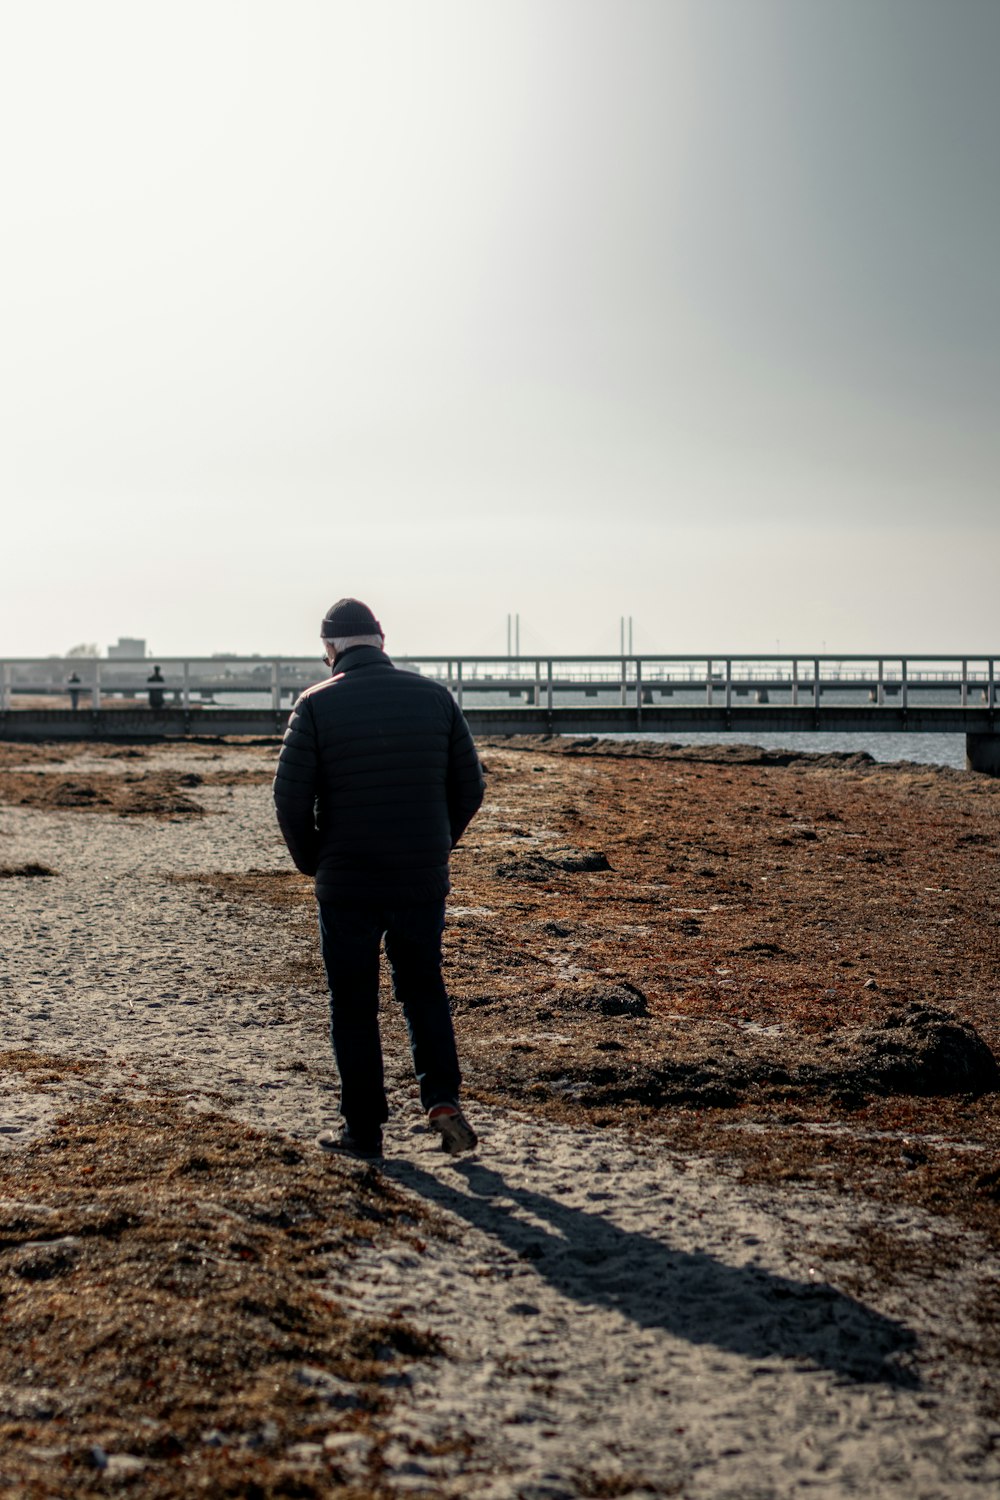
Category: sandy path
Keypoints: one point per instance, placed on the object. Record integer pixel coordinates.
(617, 1317)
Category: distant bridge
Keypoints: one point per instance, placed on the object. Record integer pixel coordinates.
(222, 695)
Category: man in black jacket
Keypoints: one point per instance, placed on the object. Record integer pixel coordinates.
(377, 780)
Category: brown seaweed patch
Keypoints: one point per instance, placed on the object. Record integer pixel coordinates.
(283, 888)
(161, 1274)
(919, 1050)
(22, 1060)
(150, 794)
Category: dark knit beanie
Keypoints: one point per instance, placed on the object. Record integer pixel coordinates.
(349, 617)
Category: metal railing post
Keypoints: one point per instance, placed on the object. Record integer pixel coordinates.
(458, 672)
(816, 693)
(96, 695)
(276, 686)
(538, 683)
(902, 683)
(186, 691)
(990, 695)
(708, 683)
(729, 683)
(965, 682)
(638, 692)
(795, 682)
(548, 684)
(5, 687)
(880, 690)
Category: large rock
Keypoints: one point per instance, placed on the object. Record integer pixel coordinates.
(615, 999)
(534, 866)
(923, 1050)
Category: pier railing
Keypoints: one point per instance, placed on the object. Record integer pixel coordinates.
(551, 682)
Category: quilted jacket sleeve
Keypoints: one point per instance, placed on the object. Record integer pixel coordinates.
(295, 786)
(465, 777)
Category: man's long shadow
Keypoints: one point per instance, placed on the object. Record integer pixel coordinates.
(744, 1309)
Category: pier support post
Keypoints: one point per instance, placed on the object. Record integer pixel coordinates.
(982, 753)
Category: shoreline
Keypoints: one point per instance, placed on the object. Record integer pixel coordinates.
(886, 748)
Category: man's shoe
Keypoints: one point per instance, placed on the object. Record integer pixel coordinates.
(454, 1129)
(348, 1143)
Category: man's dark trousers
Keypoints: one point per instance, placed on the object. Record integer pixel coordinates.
(351, 937)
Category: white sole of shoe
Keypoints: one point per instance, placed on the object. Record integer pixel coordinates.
(457, 1135)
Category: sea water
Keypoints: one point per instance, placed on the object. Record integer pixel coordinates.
(927, 749)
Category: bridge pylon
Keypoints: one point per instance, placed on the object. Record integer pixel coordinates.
(982, 753)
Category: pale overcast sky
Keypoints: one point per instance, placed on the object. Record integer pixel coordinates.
(683, 309)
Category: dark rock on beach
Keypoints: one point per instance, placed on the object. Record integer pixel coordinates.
(610, 1000)
(924, 1050)
(534, 866)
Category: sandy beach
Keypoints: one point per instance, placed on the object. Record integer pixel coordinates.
(728, 1022)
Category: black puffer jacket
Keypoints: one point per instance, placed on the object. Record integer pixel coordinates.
(377, 779)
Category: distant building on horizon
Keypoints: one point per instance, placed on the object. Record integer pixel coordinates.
(127, 649)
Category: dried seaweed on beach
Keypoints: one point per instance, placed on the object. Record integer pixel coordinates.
(156, 794)
(763, 994)
(164, 1321)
